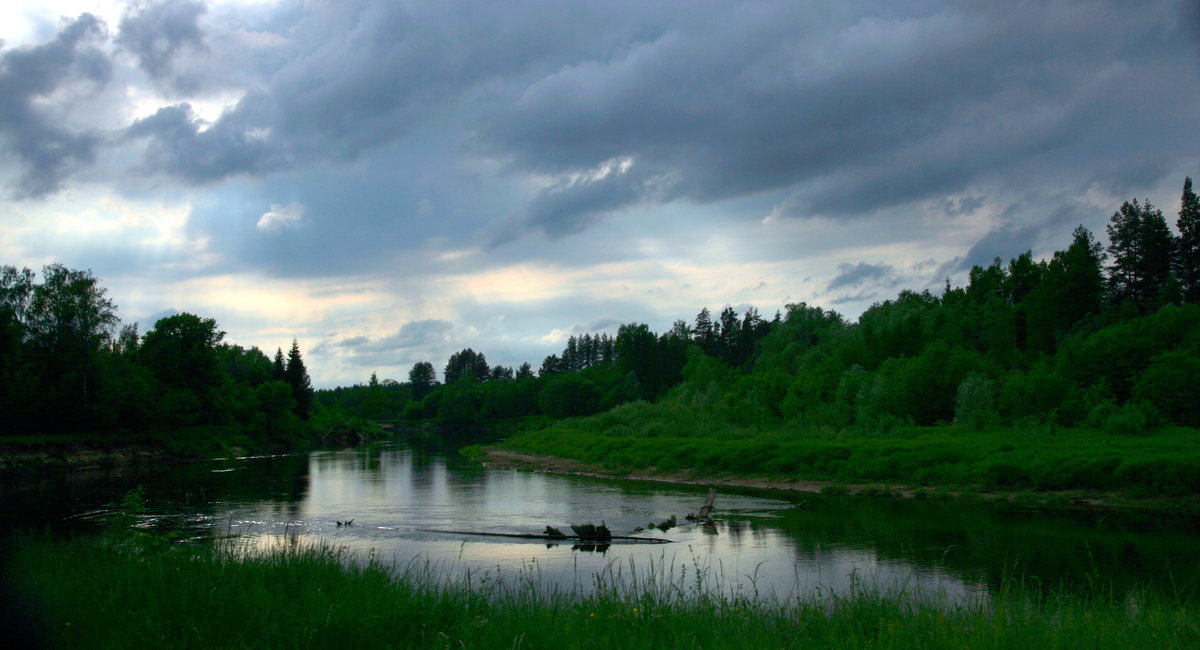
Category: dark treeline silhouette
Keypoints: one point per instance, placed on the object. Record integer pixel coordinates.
(67, 365)
(1094, 336)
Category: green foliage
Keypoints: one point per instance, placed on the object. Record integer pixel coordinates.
(422, 378)
(466, 365)
(320, 597)
(1171, 384)
(645, 436)
(975, 402)
(1142, 248)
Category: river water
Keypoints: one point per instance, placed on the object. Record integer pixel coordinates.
(759, 543)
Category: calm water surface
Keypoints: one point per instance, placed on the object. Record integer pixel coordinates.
(756, 544)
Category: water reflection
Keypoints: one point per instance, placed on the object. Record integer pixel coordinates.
(397, 497)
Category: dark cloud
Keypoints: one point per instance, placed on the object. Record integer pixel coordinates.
(965, 205)
(857, 109)
(182, 145)
(572, 205)
(1126, 176)
(1004, 242)
(156, 31)
(68, 66)
(850, 275)
(1012, 237)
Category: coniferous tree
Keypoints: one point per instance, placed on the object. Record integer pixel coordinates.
(296, 375)
(551, 365)
(1071, 287)
(278, 367)
(704, 333)
(1142, 248)
(525, 370)
(1187, 265)
(731, 328)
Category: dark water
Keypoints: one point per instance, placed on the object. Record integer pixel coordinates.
(758, 542)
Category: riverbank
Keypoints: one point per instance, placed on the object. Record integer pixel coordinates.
(34, 454)
(201, 597)
(1070, 467)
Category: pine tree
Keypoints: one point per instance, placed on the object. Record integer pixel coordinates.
(1142, 248)
(296, 375)
(1187, 260)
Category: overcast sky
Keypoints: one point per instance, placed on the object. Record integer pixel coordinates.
(391, 181)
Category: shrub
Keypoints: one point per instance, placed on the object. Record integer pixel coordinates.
(975, 403)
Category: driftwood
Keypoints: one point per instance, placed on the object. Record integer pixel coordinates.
(623, 538)
(708, 503)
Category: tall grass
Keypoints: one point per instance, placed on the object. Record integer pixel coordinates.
(92, 593)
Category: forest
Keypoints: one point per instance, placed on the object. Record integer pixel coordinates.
(67, 366)
(1102, 338)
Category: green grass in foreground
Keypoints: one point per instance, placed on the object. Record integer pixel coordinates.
(1161, 463)
(96, 594)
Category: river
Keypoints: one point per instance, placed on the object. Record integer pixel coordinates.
(758, 544)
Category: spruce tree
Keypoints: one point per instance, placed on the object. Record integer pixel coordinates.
(297, 376)
(278, 369)
(1187, 259)
(704, 333)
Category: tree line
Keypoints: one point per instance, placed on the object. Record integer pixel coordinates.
(67, 365)
(1093, 335)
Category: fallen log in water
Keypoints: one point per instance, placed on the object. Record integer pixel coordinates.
(623, 538)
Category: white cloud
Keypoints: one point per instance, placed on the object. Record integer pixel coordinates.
(280, 217)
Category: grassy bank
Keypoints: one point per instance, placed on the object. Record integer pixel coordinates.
(90, 593)
(1165, 462)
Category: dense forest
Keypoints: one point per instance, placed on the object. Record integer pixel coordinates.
(1094, 336)
(1099, 337)
(68, 366)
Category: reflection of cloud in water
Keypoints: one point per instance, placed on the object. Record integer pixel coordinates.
(396, 496)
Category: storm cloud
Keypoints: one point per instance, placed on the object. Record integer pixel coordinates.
(69, 66)
(512, 169)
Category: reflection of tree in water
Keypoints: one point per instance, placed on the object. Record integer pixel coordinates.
(1074, 548)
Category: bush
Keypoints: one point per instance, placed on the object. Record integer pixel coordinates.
(1172, 385)
(975, 403)
(1133, 419)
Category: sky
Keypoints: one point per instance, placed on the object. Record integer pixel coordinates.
(390, 181)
